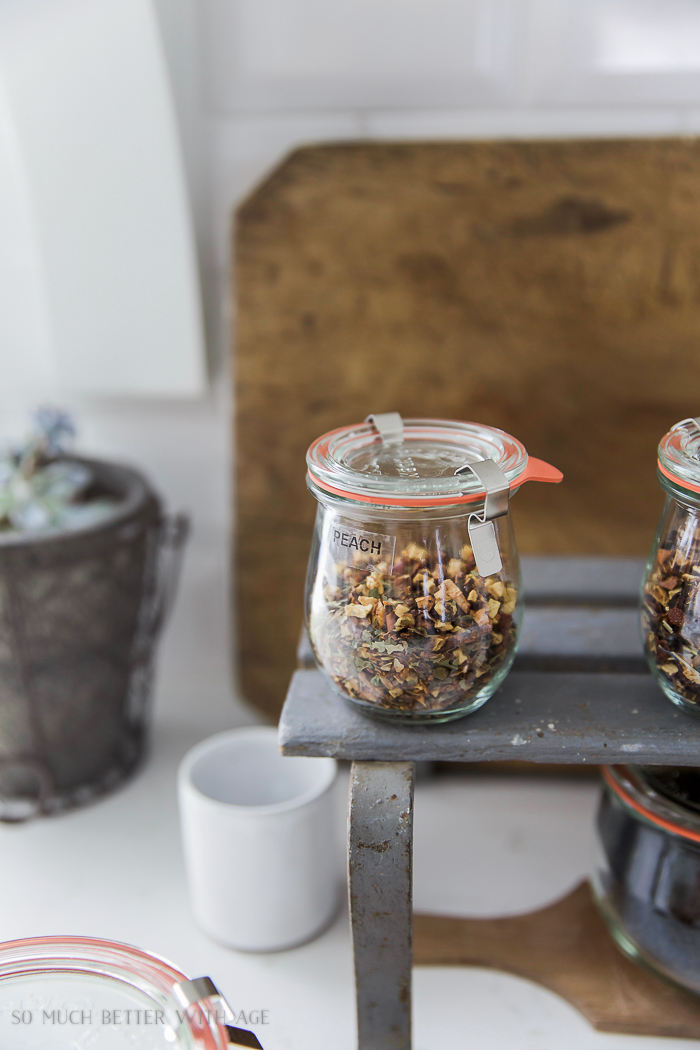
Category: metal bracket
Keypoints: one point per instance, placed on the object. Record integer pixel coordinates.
(380, 828)
(389, 425)
(192, 993)
(482, 533)
(495, 483)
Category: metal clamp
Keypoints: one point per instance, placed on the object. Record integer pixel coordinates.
(389, 425)
(193, 993)
(495, 483)
(482, 533)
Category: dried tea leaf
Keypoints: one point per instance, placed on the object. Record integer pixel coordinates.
(676, 654)
(415, 553)
(411, 641)
(452, 591)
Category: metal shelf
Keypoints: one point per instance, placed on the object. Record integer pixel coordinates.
(534, 717)
(579, 692)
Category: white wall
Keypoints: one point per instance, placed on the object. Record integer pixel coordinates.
(94, 196)
(255, 78)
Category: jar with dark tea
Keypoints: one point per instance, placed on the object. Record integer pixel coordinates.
(414, 597)
(647, 877)
(670, 605)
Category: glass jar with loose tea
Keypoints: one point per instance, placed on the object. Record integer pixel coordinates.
(670, 604)
(647, 874)
(414, 598)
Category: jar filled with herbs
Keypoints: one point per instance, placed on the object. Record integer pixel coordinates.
(414, 598)
(670, 606)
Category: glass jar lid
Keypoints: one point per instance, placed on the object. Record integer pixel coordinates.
(418, 469)
(63, 992)
(679, 455)
(667, 797)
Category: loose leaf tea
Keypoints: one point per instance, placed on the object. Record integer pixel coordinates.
(423, 634)
(670, 620)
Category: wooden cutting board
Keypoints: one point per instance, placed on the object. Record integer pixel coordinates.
(548, 288)
(566, 948)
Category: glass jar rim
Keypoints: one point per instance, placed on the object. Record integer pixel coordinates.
(112, 961)
(393, 510)
(679, 457)
(631, 786)
(344, 462)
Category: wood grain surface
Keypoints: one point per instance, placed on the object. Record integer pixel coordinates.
(566, 948)
(549, 288)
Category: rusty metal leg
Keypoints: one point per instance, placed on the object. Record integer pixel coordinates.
(380, 831)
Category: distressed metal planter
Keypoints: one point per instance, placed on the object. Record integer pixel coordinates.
(80, 613)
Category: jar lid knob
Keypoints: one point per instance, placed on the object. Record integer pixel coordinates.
(389, 425)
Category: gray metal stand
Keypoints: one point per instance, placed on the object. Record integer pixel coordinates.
(380, 833)
(579, 692)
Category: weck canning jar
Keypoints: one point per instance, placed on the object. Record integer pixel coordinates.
(647, 874)
(670, 606)
(414, 597)
(59, 993)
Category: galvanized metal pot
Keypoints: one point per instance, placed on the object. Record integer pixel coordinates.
(80, 613)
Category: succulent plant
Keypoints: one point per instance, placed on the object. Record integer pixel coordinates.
(41, 487)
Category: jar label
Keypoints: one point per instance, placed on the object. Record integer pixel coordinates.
(355, 546)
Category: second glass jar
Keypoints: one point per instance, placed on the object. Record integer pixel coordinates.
(670, 607)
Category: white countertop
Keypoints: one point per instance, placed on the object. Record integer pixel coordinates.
(483, 846)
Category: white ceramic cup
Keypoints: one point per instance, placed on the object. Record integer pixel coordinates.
(260, 840)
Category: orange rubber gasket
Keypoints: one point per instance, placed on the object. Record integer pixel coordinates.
(676, 480)
(653, 818)
(535, 470)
